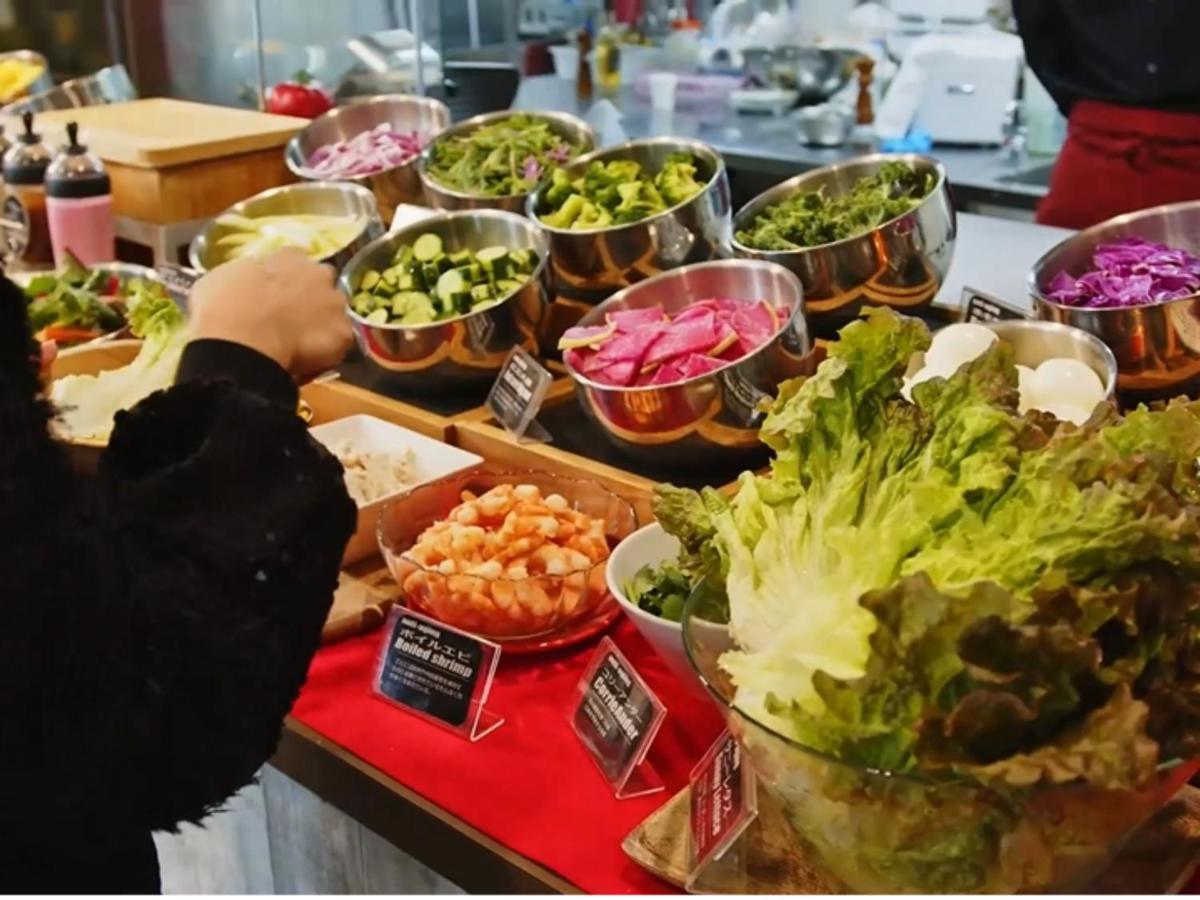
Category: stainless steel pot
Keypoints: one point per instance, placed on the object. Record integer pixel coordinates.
(467, 352)
(708, 423)
(1157, 347)
(324, 198)
(901, 264)
(441, 196)
(406, 113)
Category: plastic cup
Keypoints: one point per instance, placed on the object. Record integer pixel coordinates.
(662, 90)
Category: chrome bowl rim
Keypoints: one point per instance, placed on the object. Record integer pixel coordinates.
(293, 145)
(303, 187)
(601, 308)
(1110, 377)
(484, 119)
(543, 251)
(1126, 219)
(698, 148)
(792, 186)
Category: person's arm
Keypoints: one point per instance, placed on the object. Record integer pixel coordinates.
(160, 618)
(1048, 47)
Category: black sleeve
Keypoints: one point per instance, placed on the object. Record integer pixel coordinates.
(215, 360)
(1049, 48)
(159, 618)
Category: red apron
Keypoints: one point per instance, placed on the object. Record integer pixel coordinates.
(1119, 159)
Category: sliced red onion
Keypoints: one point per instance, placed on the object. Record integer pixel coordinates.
(377, 150)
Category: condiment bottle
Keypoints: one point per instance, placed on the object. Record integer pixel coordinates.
(608, 57)
(26, 231)
(864, 137)
(583, 77)
(79, 205)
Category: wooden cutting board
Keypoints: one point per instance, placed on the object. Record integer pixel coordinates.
(160, 132)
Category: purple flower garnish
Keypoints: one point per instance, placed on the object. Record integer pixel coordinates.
(531, 169)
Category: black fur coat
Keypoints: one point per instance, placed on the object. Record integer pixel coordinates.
(158, 618)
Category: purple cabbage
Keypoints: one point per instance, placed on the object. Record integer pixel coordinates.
(1131, 272)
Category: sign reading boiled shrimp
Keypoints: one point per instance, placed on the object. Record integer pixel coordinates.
(438, 672)
(616, 716)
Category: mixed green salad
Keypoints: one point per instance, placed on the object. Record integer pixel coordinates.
(813, 218)
(949, 589)
(78, 304)
(618, 192)
(425, 283)
(501, 159)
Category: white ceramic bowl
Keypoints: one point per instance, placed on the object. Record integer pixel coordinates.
(431, 460)
(650, 545)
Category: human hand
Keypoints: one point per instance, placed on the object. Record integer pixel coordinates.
(283, 305)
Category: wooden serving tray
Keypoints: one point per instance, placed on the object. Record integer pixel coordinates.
(1160, 859)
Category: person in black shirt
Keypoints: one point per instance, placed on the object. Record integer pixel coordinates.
(1124, 73)
(160, 615)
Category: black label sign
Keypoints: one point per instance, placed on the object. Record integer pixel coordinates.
(430, 669)
(520, 388)
(614, 715)
(719, 800)
(15, 223)
(982, 308)
(179, 278)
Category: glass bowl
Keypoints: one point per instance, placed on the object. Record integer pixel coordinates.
(536, 594)
(876, 832)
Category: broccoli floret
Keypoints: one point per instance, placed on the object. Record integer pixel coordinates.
(638, 201)
(593, 216)
(567, 213)
(677, 180)
(560, 188)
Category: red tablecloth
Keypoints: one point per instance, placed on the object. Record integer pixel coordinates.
(530, 784)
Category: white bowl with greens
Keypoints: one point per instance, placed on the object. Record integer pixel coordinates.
(651, 590)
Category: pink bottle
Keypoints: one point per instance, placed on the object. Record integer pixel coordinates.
(79, 205)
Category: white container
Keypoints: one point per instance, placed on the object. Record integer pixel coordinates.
(662, 90)
(431, 460)
(566, 61)
(651, 545)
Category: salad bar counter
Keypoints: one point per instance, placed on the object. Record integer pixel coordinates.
(661, 499)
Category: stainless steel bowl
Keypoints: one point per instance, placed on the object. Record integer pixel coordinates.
(440, 196)
(590, 266)
(1035, 342)
(901, 264)
(817, 73)
(711, 422)
(467, 352)
(1157, 347)
(109, 85)
(825, 126)
(406, 113)
(322, 198)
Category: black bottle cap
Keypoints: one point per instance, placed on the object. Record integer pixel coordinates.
(26, 161)
(76, 173)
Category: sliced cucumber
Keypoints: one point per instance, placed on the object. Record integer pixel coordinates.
(450, 283)
(369, 280)
(378, 317)
(427, 247)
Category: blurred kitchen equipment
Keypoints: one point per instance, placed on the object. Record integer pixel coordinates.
(815, 73)
(30, 61)
(917, 18)
(827, 125)
(387, 65)
(476, 88)
(662, 90)
(1157, 346)
(566, 61)
(110, 85)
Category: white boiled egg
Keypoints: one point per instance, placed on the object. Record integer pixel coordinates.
(958, 344)
(1062, 385)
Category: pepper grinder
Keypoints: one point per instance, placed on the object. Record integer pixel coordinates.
(864, 136)
(26, 236)
(79, 205)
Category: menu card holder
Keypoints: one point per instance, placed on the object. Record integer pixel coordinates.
(723, 806)
(980, 308)
(442, 674)
(617, 716)
(517, 396)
